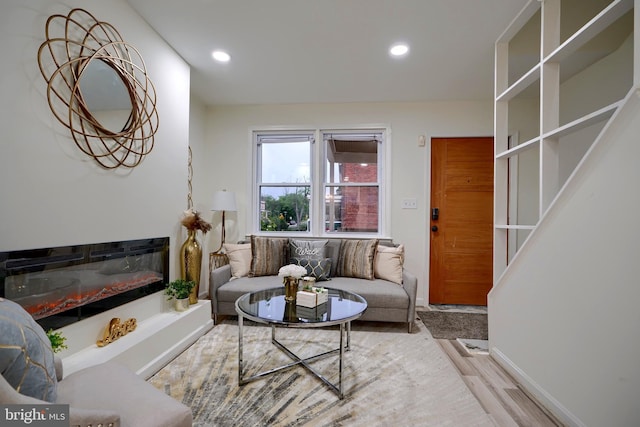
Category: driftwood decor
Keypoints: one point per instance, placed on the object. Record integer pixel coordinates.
(98, 87)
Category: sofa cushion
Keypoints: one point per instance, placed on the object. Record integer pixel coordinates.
(318, 268)
(239, 258)
(26, 357)
(307, 249)
(378, 293)
(388, 263)
(234, 289)
(268, 254)
(355, 258)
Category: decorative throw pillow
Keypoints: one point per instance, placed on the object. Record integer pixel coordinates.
(26, 357)
(308, 249)
(355, 258)
(318, 268)
(268, 254)
(239, 258)
(388, 263)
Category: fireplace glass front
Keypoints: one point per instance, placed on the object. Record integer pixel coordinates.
(62, 285)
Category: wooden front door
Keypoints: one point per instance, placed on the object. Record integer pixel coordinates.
(461, 265)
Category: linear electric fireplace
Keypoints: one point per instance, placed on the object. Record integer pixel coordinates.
(62, 285)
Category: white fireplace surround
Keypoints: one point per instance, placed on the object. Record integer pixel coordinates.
(161, 334)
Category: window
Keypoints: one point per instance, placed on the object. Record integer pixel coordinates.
(334, 187)
(284, 181)
(351, 182)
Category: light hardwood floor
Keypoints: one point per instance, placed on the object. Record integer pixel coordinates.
(497, 392)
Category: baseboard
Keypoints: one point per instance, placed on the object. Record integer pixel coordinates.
(535, 391)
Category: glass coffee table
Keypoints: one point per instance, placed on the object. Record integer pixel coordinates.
(269, 307)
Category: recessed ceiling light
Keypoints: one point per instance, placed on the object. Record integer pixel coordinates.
(221, 56)
(399, 49)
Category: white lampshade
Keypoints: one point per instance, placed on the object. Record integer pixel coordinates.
(224, 201)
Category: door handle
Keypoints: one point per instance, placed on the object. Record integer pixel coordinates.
(434, 228)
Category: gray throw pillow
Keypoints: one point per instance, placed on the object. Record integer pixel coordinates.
(26, 357)
(308, 249)
(318, 268)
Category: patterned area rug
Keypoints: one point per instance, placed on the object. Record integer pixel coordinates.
(451, 325)
(390, 378)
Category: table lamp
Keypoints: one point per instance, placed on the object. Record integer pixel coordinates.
(223, 201)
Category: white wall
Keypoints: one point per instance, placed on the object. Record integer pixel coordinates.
(52, 194)
(229, 157)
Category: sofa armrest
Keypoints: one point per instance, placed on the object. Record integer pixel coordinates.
(57, 362)
(218, 277)
(410, 284)
(77, 416)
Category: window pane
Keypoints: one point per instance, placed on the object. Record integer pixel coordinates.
(286, 162)
(351, 209)
(284, 208)
(352, 161)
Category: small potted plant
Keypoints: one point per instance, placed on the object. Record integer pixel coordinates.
(179, 291)
(57, 340)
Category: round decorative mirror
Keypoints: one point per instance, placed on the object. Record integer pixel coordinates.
(98, 87)
(106, 97)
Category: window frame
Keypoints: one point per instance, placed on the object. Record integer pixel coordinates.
(318, 179)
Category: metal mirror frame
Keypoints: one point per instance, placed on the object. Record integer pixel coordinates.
(72, 42)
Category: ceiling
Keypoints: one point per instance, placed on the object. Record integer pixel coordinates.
(334, 51)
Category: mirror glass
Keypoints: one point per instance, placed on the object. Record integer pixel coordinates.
(105, 95)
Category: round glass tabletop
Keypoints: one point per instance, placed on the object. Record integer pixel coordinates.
(269, 306)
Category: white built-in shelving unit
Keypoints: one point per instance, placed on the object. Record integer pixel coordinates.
(562, 68)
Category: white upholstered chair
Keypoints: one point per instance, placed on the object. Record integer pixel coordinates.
(107, 395)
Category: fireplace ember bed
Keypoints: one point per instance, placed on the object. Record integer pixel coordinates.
(62, 285)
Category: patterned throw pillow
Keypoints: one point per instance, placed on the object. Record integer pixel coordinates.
(355, 258)
(268, 254)
(388, 263)
(26, 357)
(308, 249)
(318, 268)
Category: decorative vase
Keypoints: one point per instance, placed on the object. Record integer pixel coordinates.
(290, 314)
(190, 263)
(181, 304)
(290, 288)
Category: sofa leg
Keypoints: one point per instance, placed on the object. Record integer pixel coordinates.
(410, 324)
(215, 319)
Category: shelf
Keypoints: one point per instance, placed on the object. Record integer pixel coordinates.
(514, 227)
(540, 119)
(585, 121)
(524, 82)
(528, 145)
(581, 123)
(591, 29)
